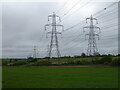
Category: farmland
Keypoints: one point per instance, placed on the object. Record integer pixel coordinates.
(60, 77)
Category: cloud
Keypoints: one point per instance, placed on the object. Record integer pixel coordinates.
(23, 27)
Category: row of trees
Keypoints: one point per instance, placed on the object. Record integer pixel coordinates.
(66, 60)
(83, 55)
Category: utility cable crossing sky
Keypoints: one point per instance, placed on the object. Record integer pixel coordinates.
(28, 27)
(92, 44)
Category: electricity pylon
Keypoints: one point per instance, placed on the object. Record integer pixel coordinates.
(35, 53)
(54, 38)
(92, 45)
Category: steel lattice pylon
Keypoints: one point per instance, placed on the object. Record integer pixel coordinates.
(92, 45)
(54, 38)
(35, 52)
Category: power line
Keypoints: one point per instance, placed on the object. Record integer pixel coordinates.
(67, 43)
(93, 15)
(62, 6)
(71, 8)
(113, 11)
(76, 44)
(76, 25)
(105, 8)
(76, 10)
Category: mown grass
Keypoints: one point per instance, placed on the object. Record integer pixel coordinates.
(59, 77)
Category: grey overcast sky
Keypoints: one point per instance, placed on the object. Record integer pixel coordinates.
(23, 27)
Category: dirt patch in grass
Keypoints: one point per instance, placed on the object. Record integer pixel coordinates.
(77, 66)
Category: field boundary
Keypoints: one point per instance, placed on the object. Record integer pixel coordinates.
(100, 66)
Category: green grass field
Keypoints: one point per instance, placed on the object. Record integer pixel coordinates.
(59, 77)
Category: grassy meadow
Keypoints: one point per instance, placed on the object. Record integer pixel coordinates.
(59, 77)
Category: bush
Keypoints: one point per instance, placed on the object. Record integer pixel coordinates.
(69, 61)
(78, 62)
(97, 61)
(43, 62)
(85, 62)
(115, 62)
(83, 55)
(32, 64)
(4, 63)
(20, 62)
(40, 63)
(105, 60)
(31, 59)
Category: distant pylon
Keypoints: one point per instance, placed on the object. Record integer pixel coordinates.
(54, 39)
(35, 53)
(92, 45)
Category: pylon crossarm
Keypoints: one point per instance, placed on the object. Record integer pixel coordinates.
(48, 24)
(59, 25)
(59, 18)
(91, 27)
(86, 27)
(97, 36)
(86, 36)
(50, 16)
(49, 32)
(87, 19)
(94, 19)
(58, 32)
(97, 27)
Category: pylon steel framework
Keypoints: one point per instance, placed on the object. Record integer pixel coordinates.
(35, 52)
(92, 45)
(54, 38)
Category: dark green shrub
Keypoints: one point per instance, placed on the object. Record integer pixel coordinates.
(105, 60)
(115, 62)
(85, 62)
(44, 62)
(20, 62)
(64, 63)
(4, 63)
(40, 63)
(31, 59)
(32, 64)
(78, 62)
(69, 61)
(97, 61)
(83, 55)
